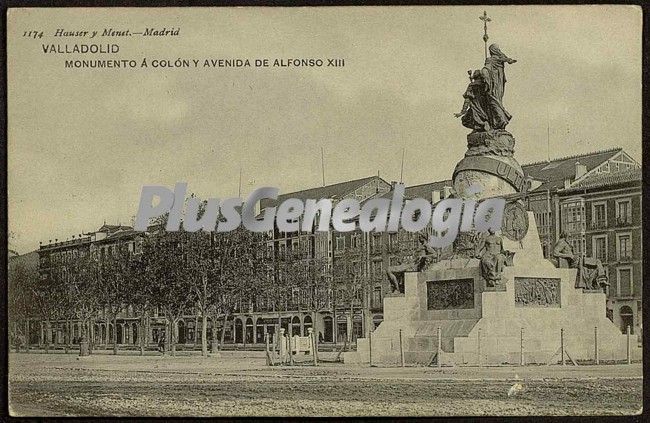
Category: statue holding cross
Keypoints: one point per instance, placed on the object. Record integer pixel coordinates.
(489, 160)
(483, 107)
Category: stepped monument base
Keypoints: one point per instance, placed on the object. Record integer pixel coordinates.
(536, 302)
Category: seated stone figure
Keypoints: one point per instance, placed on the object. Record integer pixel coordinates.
(591, 274)
(493, 258)
(424, 253)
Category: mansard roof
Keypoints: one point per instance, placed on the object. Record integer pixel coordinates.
(425, 190)
(338, 190)
(553, 173)
(607, 179)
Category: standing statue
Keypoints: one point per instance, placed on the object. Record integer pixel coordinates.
(493, 258)
(483, 107)
(591, 274)
(495, 78)
(424, 254)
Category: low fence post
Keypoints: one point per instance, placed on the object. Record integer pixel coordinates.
(283, 346)
(290, 348)
(521, 348)
(562, 345)
(314, 345)
(401, 349)
(596, 358)
(478, 347)
(370, 348)
(629, 346)
(268, 353)
(439, 352)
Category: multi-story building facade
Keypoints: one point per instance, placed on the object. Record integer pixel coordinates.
(57, 258)
(594, 197)
(603, 215)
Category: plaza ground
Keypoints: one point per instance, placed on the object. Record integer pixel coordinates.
(239, 383)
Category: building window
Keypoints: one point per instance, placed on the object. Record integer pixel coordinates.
(377, 268)
(599, 215)
(376, 242)
(623, 212)
(599, 246)
(624, 284)
(340, 242)
(573, 216)
(356, 240)
(376, 297)
(392, 240)
(577, 243)
(624, 247)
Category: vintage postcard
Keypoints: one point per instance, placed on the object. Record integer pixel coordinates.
(336, 211)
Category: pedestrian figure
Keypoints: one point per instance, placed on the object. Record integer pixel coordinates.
(161, 344)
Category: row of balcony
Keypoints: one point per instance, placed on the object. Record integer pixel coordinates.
(618, 223)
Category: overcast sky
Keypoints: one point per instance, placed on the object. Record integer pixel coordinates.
(83, 142)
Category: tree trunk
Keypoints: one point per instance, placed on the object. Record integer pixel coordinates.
(114, 333)
(83, 343)
(204, 334)
(26, 337)
(66, 336)
(223, 331)
(172, 332)
(48, 333)
(314, 330)
(15, 337)
(142, 331)
(351, 328)
(166, 341)
(91, 335)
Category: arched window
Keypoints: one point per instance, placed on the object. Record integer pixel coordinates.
(181, 332)
(627, 319)
(295, 326)
(341, 328)
(239, 331)
(249, 331)
(328, 329)
(259, 332)
(357, 327)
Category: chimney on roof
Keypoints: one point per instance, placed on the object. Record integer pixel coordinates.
(446, 192)
(580, 170)
(393, 184)
(435, 196)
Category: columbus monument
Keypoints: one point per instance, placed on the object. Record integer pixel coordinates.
(489, 160)
(493, 298)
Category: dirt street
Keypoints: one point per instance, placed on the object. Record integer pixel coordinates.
(238, 384)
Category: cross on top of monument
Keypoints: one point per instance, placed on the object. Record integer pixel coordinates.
(485, 20)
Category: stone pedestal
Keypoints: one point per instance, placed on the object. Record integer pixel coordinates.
(84, 349)
(482, 326)
(490, 164)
